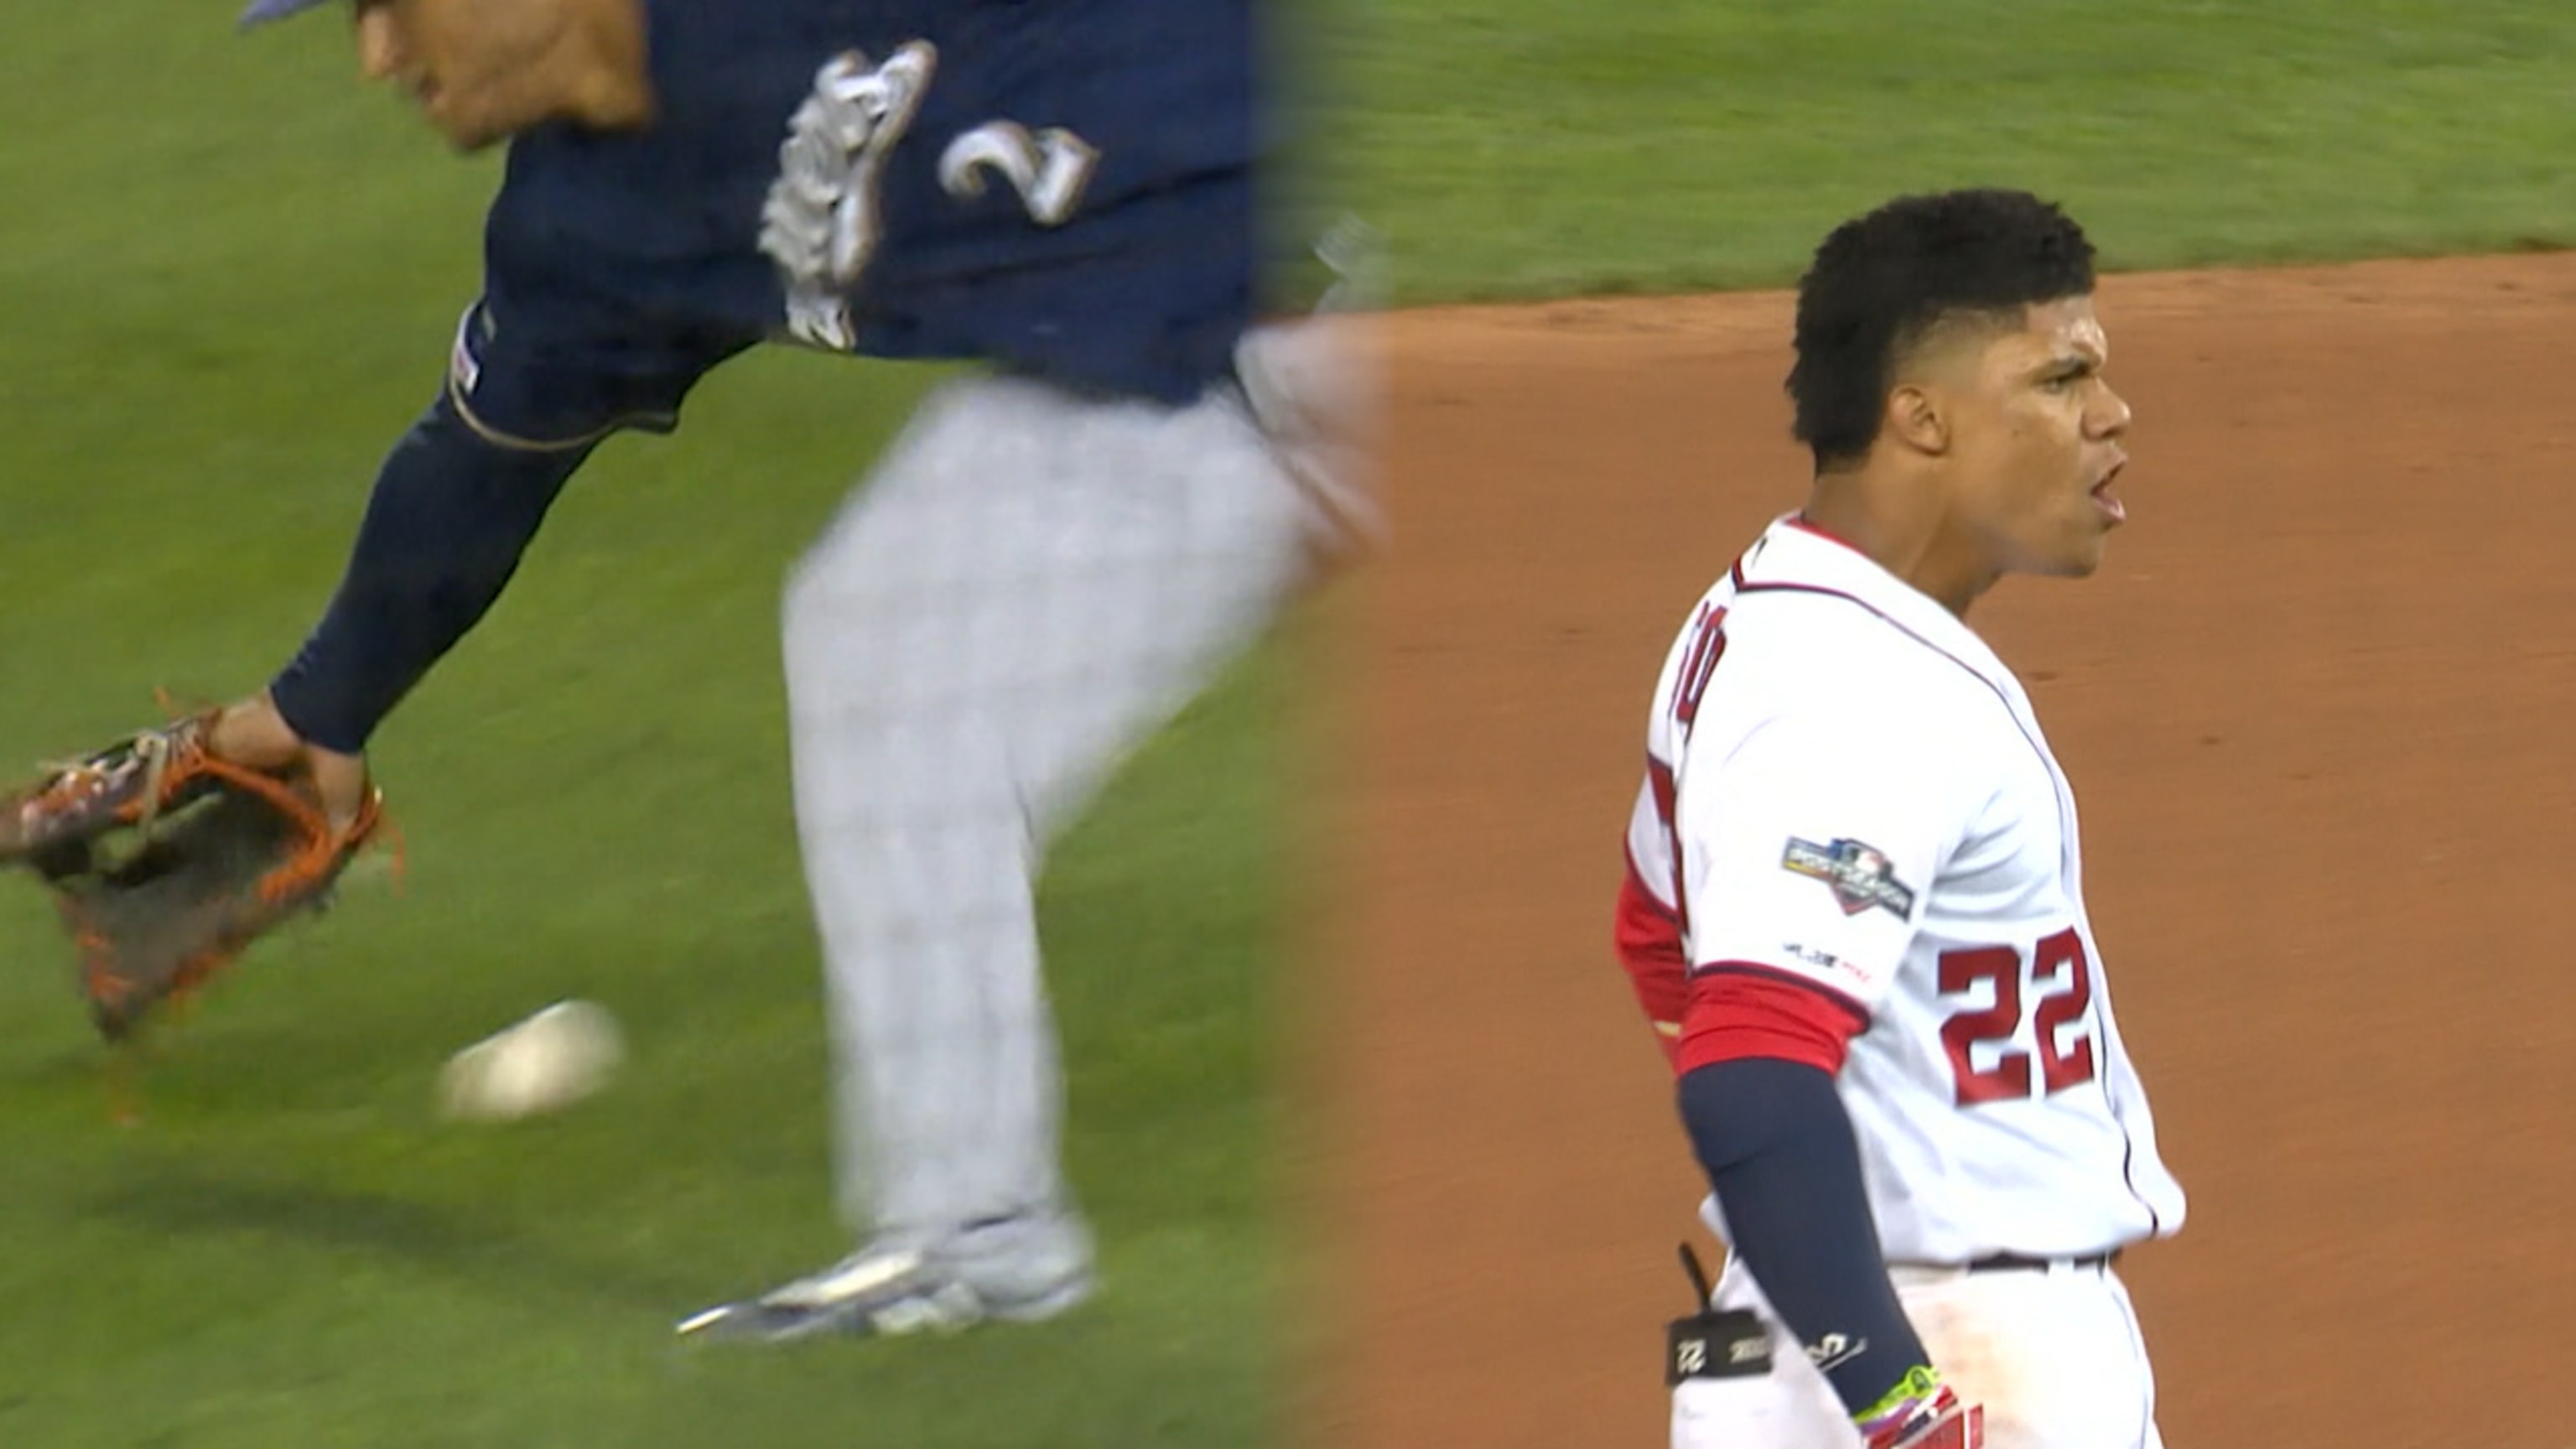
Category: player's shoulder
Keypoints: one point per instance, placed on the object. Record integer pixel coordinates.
(1812, 599)
(1827, 651)
(1850, 684)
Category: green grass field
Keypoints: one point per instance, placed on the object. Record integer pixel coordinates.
(229, 275)
(1513, 148)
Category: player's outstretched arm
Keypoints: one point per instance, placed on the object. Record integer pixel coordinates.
(1778, 1149)
(170, 852)
(452, 513)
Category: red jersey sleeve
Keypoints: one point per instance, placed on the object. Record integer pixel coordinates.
(1649, 940)
(1736, 1010)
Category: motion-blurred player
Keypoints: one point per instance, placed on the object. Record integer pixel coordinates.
(1052, 557)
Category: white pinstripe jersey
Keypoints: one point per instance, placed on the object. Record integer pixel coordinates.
(1847, 788)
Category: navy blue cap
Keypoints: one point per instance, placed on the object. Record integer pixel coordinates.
(263, 11)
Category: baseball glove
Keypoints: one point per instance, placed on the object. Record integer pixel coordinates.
(166, 863)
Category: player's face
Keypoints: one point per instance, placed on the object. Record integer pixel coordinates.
(2037, 436)
(481, 71)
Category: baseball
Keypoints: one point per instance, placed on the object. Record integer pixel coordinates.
(548, 1062)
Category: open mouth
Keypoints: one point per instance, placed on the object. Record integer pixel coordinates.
(2108, 501)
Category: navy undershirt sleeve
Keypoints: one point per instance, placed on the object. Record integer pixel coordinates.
(451, 515)
(1779, 1152)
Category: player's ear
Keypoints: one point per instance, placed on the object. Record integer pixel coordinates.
(1918, 417)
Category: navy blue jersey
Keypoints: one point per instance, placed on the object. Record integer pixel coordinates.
(1058, 186)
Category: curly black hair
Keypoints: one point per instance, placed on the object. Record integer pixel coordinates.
(1881, 282)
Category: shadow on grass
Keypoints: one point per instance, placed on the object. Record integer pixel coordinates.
(182, 1201)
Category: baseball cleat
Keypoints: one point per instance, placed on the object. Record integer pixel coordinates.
(876, 1293)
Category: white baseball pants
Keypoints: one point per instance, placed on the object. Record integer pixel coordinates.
(2055, 1356)
(1030, 583)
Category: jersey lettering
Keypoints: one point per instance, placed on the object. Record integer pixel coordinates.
(2062, 1066)
(821, 221)
(1996, 972)
(1048, 168)
(1999, 969)
(1708, 646)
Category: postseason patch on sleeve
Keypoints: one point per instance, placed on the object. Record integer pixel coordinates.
(1859, 874)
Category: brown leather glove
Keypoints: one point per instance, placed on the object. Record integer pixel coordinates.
(166, 862)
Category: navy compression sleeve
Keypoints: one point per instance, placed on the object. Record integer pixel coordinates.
(451, 514)
(1778, 1149)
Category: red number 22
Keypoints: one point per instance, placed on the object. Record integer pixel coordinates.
(2059, 963)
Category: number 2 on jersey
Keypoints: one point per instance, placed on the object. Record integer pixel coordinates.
(2057, 967)
(1048, 168)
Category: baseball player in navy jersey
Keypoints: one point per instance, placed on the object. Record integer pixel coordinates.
(1054, 555)
(1854, 908)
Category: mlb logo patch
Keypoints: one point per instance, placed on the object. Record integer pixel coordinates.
(1858, 873)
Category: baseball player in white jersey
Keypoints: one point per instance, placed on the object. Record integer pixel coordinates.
(1855, 910)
